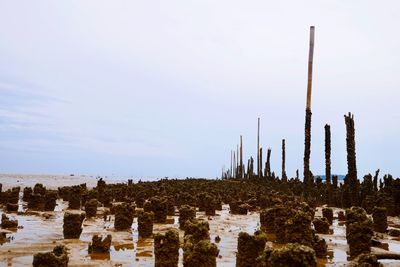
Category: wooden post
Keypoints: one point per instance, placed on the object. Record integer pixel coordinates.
(328, 154)
(328, 164)
(284, 177)
(260, 164)
(376, 180)
(251, 167)
(307, 128)
(234, 164)
(248, 169)
(237, 161)
(258, 148)
(241, 157)
(310, 67)
(231, 170)
(351, 178)
(268, 163)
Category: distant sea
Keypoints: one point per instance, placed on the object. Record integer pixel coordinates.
(340, 177)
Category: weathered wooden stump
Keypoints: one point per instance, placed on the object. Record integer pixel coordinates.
(166, 249)
(57, 258)
(145, 224)
(72, 227)
(186, 213)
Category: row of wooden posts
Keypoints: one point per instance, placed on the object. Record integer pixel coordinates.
(237, 168)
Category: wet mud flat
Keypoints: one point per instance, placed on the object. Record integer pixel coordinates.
(192, 221)
(41, 231)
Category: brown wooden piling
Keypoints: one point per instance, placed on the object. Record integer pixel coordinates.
(328, 163)
(351, 179)
(268, 164)
(260, 164)
(307, 128)
(241, 158)
(284, 177)
(258, 148)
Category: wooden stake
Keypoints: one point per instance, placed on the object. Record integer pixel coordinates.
(237, 161)
(268, 164)
(258, 148)
(351, 179)
(234, 164)
(260, 164)
(328, 154)
(241, 157)
(307, 128)
(284, 177)
(231, 171)
(329, 199)
(310, 67)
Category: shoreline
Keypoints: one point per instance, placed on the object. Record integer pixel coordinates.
(51, 181)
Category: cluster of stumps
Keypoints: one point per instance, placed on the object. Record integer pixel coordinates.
(120, 200)
(286, 211)
(291, 220)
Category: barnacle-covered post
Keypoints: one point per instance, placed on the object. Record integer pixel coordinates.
(328, 154)
(351, 179)
(248, 169)
(258, 148)
(376, 180)
(284, 177)
(241, 158)
(231, 170)
(234, 164)
(237, 161)
(307, 128)
(328, 162)
(260, 163)
(268, 164)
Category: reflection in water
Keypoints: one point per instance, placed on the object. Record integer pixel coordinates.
(42, 231)
(4, 238)
(123, 246)
(144, 242)
(144, 254)
(99, 256)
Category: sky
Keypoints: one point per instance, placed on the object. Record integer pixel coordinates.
(165, 88)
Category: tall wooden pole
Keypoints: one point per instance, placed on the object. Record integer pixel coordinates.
(268, 164)
(231, 170)
(307, 128)
(248, 175)
(237, 161)
(241, 157)
(351, 178)
(284, 177)
(260, 174)
(258, 148)
(310, 67)
(328, 164)
(328, 154)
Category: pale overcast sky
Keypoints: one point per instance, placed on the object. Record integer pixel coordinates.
(165, 88)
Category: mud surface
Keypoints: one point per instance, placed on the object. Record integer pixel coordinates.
(41, 231)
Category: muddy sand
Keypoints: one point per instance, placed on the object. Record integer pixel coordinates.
(41, 231)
